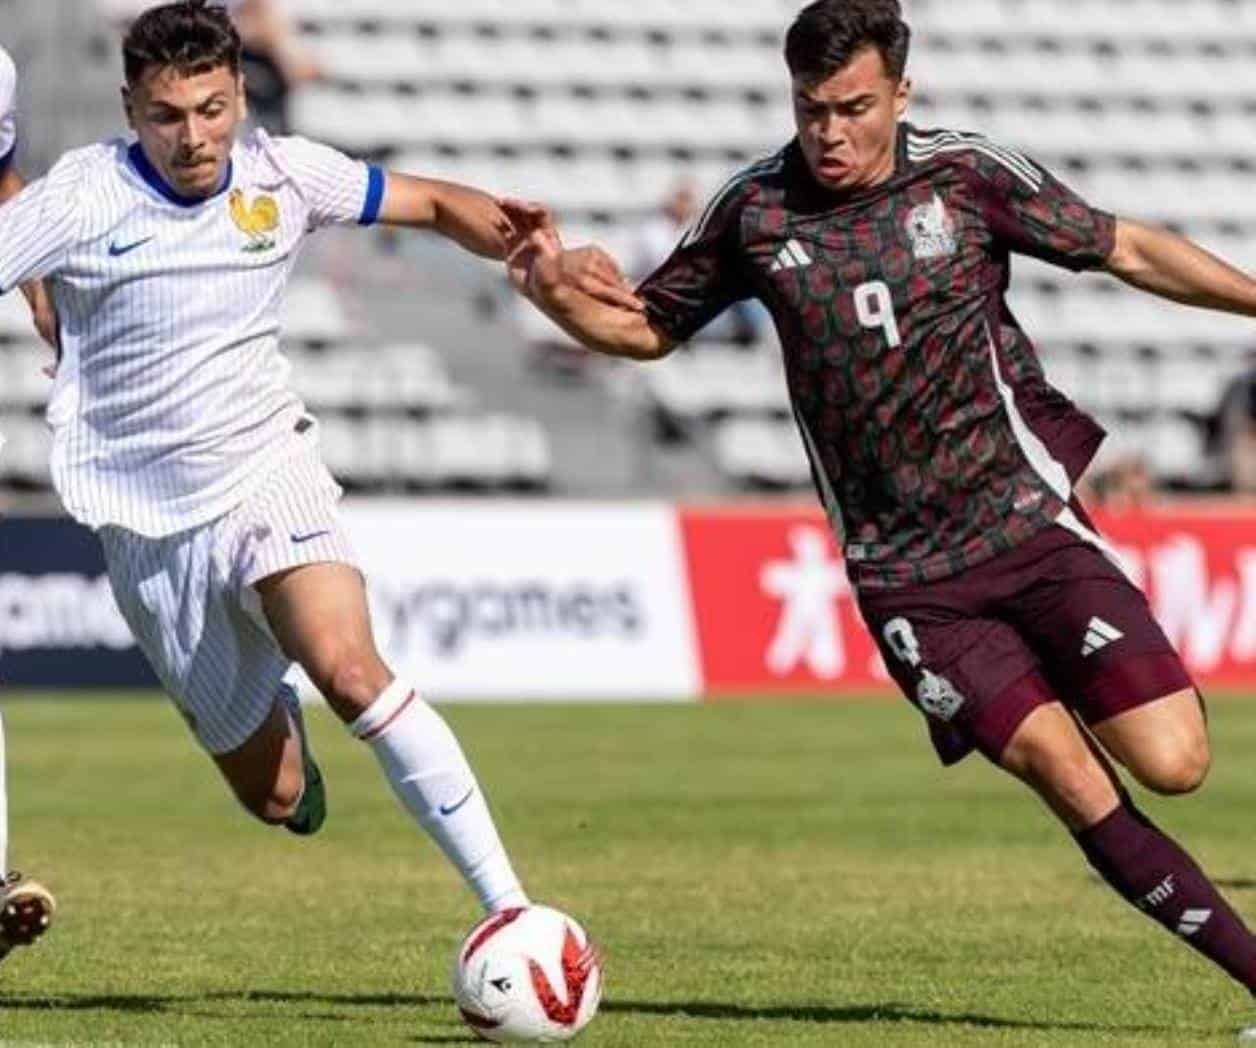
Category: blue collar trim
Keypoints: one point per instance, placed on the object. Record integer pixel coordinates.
(150, 174)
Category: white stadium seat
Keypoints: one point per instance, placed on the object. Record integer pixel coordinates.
(761, 452)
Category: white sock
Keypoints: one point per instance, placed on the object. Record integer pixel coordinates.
(427, 770)
(4, 810)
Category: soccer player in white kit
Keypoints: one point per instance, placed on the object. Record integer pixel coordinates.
(177, 438)
(26, 906)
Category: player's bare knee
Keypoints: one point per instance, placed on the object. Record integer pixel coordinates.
(1177, 768)
(355, 680)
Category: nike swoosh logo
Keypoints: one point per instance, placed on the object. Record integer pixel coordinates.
(449, 809)
(298, 539)
(125, 249)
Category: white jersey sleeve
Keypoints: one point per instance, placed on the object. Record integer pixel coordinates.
(40, 225)
(8, 108)
(337, 189)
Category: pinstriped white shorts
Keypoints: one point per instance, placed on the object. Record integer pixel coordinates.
(189, 597)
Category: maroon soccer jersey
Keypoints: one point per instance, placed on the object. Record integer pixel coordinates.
(935, 439)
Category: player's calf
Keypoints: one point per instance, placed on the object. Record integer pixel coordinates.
(1152, 872)
(276, 806)
(1049, 753)
(267, 773)
(1142, 864)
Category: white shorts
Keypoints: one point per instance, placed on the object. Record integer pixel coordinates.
(189, 597)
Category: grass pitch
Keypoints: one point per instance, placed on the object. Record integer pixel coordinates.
(772, 875)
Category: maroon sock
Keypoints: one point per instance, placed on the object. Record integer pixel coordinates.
(1150, 871)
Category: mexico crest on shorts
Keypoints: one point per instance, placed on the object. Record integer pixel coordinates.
(931, 230)
(256, 220)
(937, 696)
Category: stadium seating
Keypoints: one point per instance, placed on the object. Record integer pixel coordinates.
(1147, 107)
(391, 417)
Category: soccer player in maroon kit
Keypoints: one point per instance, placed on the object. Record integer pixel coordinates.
(944, 458)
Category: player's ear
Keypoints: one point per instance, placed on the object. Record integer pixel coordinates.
(902, 95)
(242, 98)
(128, 107)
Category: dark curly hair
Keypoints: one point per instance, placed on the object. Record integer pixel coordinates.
(194, 36)
(827, 34)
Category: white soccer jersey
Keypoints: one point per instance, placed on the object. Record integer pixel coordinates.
(172, 397)
(8, 109)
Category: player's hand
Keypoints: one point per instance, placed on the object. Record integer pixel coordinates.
(595, 273)
(533, 246)
(533, 226)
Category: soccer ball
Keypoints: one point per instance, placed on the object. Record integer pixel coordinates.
(527, 975)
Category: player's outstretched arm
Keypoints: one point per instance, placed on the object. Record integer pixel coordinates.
(584, 293)
(42, 312)
(465, 215)
(1174, 267)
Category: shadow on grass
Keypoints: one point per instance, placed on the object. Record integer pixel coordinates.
(166, 1003)
(862, 1013)
(1235, 883)
(194, 1005)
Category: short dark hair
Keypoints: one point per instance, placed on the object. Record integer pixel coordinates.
(194, 36)
(827, 34)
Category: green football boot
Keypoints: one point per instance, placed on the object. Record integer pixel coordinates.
(311, 812)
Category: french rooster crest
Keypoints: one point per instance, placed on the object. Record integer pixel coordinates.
(257, 220)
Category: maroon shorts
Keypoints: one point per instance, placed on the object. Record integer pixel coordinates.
(1051, 620)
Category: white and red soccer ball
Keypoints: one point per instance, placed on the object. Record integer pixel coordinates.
(528, 975)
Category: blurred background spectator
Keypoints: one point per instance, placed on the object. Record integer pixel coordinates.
(275, 59)
(657, 237)
(1236, 430)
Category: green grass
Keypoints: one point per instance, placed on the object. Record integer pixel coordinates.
(771, 875)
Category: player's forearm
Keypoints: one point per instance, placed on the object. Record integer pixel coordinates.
(33, 291)
(1175, 268)
(600, 327)
(471, 218)
(465, 215)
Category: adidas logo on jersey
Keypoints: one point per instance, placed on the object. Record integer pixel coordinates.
(1192, 921)
(1099, 634)
(791, 256)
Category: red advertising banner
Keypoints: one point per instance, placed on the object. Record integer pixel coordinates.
(775, 613)
(1198, 568)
